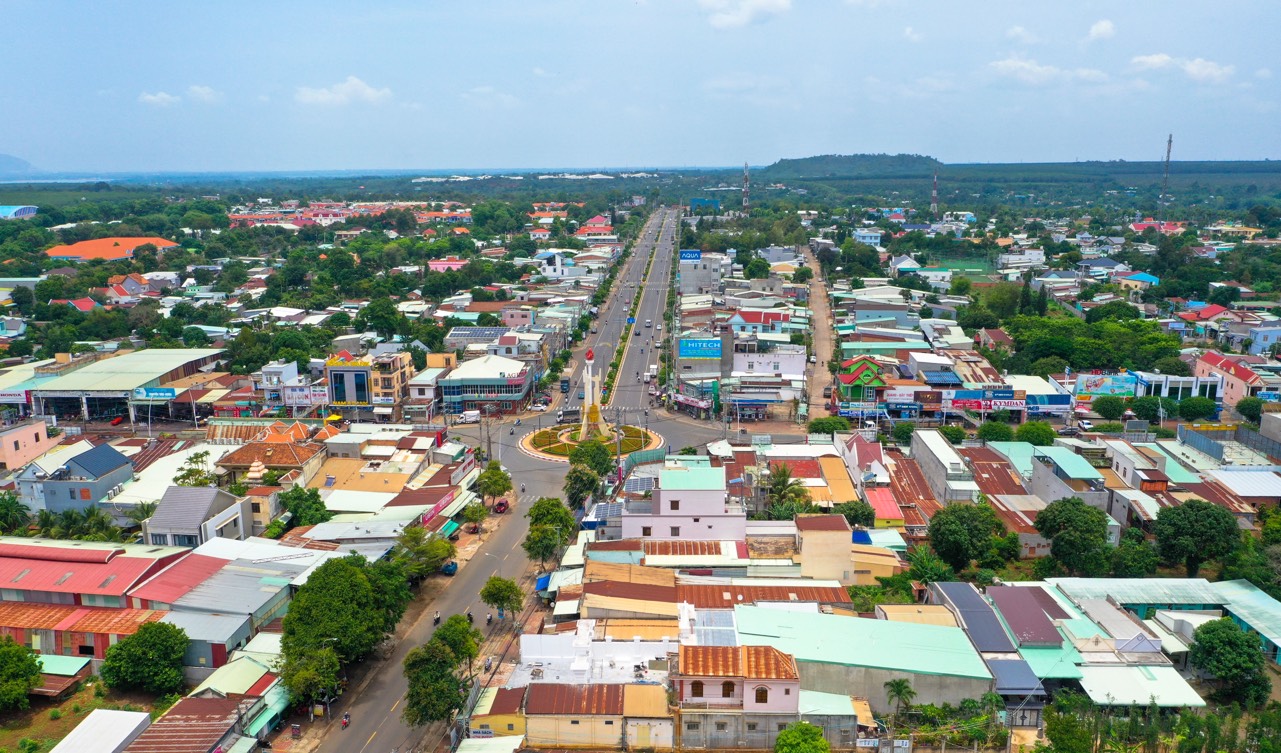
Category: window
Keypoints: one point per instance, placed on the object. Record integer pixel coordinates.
(676, 505)
(787, 691)
(646, 531)
(781, 726)
(721, 726)
(256, 507)
(573, 721)
(696, 689)
(762, 695)
(511, 727)
(751, 726)
(184, 540)
(85, 650)
(15, 445)
(484, 726)
(692, 726)
(727, 690)
(159, 539)
(696, 520)
(609, 722)
(676, 531)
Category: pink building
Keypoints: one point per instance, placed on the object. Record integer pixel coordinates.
(24, 442)
(690, 502)
(518, 316)
(447, 264)
(758, 679)
(1239, 380)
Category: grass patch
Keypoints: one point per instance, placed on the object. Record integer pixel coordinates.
(46, 722)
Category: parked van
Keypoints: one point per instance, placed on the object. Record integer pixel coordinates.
(468, 417)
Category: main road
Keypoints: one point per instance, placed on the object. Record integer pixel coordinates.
(376, 726)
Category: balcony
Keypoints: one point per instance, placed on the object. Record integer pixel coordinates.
(715, 704)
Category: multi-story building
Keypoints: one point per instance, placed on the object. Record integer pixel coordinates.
(76, 481)
(504, 383)
(691, 502)
(23, 442)
(700, 272)
(945, 470)
(371, 385)
(279, 385)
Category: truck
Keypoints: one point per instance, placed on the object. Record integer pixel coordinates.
(468, 417)
(564, 386)
(568, 415)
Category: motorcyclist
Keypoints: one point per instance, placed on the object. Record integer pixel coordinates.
(436, 621)
(469, 617)
(522, 488)
(489, 618)
(346, 719)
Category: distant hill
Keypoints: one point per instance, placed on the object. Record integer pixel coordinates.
(852, 166)
(11, 165)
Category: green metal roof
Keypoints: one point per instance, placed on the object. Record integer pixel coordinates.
(861, 642)
(691, 479)
(1247, 603)
(1018, 453)
(1123, 686)
(1049, 663)
(277, 702)
(63, 666)
(142, 368)
(1173, 468)
(1146, 591)
(1075, 466)
(830, 704)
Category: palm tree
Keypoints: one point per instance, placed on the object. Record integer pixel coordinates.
(142, 511)
(46, 524)
(15, 517)
(781, 487)
(901, 693)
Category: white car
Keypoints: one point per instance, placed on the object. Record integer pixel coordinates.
(1085, 425)
(538, 407)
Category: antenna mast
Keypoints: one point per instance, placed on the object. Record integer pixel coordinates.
(746, 189)
(1165, 181)
(934, 197)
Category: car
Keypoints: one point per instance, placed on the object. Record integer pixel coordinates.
(117, 420)
(813, 359)
(1069, 431)
(636, 333)
(449, 568)
(500, 507)
(539, 407)
(582, 394)
(827, 391)
(1085, 425)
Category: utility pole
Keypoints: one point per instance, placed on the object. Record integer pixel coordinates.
(746, 190)
(934, 197)
(1165, 181)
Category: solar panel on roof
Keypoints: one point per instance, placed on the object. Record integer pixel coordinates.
(980, 621)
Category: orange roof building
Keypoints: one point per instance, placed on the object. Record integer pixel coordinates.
(108, 249)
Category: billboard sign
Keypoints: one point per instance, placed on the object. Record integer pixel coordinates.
(13, 396)
(1267, 397)
(1090, 386)
(154, 393)
(699, 349)
(687, 255)
(900, 395)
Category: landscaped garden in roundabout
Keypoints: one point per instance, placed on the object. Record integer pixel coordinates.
(561, 440)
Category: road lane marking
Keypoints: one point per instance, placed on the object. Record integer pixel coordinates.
(367, 742)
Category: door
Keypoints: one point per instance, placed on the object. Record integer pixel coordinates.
(642, 736)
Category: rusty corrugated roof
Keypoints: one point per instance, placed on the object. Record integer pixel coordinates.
(749, 662)
(726, 596)
(585, 700)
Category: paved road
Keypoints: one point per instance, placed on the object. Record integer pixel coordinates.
(376, 726)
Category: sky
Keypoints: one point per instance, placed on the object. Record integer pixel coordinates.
(487, 84)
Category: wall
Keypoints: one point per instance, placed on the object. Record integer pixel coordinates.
(705, 527)
(24, 442)
(869, 682)
(650, 734)
(1049, 487)
(718, 730)
(501, 725)
(825, 555)
(570, 731)
(58, 495)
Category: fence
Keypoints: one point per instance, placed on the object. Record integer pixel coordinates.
(1202, 442)
(641, 457)
(1210, 441)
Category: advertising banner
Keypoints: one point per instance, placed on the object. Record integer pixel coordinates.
(900, 395)
(13, 396)
(687, 255)
(699, 349)
(154, 393)
(1090, 386)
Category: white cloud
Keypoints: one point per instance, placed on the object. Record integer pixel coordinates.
(540, 72)
(1197, 69)
(159, 99)
(489, 97)
(1102, 29)
(911, 35)
(205, 94)
(1152, 62)
(1263, 73)
(728, 14)
(1020, 34)
(1200, 69)
(342, 93)
(1031, 72)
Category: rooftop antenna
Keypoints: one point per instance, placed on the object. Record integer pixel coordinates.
(746, 189)
(1165, 181)
(934, 197)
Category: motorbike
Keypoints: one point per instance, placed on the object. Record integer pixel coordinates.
(489, 619)
(436, 620)
(469, 617)
(346, 719)
(522, 488)
(511, 432)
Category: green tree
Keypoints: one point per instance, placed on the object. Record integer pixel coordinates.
(954, 434)
(1172, 365)
(475, 514)
(927, 567)
(801, 737)
(541, 543)
(1078, 535)
(802, 275)
(581, 483)
(1118, 310)
(195, 471)
(549, 511)
(1038, 433)
(995, 431)
(782, 488)
(149, 660)
(1196, 408)
(493, 482)
(502, 593)
(1135, 557)
(1109, 407)
(829, 425)
(19, 673)
(311, 675)
(1150, 407)
(1251, 408)
(335, 608)
(23, 299)
(901, 693)
(462, 639)
(194, 337)
(1234, 658)
(435, 691)
(390, 582)
(381, 316)
(961, 532)
(756, 269)
(420, 552)
(1194, 533)
(595, 455)
(857, 512)
(15, 517)
(305, 507)
(902, 431)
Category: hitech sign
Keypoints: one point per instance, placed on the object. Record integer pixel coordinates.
(705, 349)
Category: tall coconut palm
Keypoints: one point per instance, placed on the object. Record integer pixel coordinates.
(782, 488)
(901, 693)
(15, 517)
(142, 511)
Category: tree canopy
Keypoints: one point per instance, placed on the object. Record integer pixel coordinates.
(1078, 535)
(1234, 658)
(149, 660)
(1038, 433)
(19, 674)
(595, 455)
(801, 737)
(961, 532)
(1195, 532)
(503, 593)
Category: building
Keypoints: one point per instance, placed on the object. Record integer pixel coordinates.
(689, 502)
(133, 384)
(17, 212)
(106, 249)
(279, 385)
(197, 725)
(372, 387)
(574, 716)
(945, 470)
(498, 713)
(823, 542)
(190, 516)
(699, 272)
(1239, 380)
(505, 383)
(89, 478)
(104, 731)
(22, 442)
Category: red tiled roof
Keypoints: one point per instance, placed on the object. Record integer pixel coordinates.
(800, 467)
(270, 454)
(822, 523)
(65, 618)
(29, 568)
(1230, 366)
(749, 662)
(727, 596)
(882, 500)
(584, 700)
(1203, 314)
(507, 701)
(682, 548)
(106, 248)
(910, 487)
(993, 473)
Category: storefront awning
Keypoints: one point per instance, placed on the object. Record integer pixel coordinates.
(382, 410)
(448, 529)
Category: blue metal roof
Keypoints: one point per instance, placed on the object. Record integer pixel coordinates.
(100, 461)
(977, 617)
(1015, 677)
(940, 377)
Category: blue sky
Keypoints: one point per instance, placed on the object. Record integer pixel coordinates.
(125, 86)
